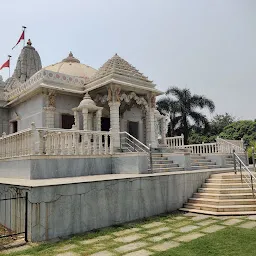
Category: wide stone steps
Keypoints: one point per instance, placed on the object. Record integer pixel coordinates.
(221, 208)
(204, 167)
(223, 202)
(225, 185)
(223, 194)
(218, 213)
(199, 162)
(168, 169)
(162, 164)
(225, 190)
(223, 181)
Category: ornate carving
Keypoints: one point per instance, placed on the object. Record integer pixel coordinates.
(101, 98)
(138, 100)
(118, 93)
(153, 101)
(52, 99)
(109, 94)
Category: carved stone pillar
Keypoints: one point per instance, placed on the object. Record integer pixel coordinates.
(98, 120)
(77, 120)
(49, 116)
(150, 121)
(50, 109)
(90, 121)
(115, 122)
(150, 127)
(85, 118)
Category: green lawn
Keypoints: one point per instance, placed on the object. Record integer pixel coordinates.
(228, 242)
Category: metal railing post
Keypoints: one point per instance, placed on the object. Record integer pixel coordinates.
(252, 186)
(120, 142)
(151, 159)
(234, 160)
(253, 158)
(26, 217)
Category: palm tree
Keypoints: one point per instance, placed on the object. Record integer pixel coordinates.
(167, 106)
(182, 109)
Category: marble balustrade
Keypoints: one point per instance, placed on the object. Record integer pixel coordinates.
(47, 141)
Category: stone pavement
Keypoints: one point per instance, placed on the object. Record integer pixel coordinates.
(147, 238)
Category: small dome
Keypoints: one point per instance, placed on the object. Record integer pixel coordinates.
(72, 66)
(88, 103)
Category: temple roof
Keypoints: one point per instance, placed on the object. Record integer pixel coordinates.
(117, 65)
(72, 66)
(28, 63)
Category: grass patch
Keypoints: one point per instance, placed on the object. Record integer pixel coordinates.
(228, 242)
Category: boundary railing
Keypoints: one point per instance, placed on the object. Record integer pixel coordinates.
(246, 175)
(14, 216)
(47, 141)
(175, 142)
(220, 146)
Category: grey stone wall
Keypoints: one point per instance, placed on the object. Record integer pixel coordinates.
(47, 167)
(61, 210)
(4, 121)
(29, 111)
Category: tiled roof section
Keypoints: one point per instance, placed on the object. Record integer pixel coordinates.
(117, 65)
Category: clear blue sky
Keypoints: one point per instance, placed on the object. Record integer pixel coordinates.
(208, 46)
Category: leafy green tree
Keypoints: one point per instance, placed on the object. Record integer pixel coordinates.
(245, 129)
(217, 124)
(186, 108)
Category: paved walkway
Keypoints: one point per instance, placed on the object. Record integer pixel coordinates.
(147, 238)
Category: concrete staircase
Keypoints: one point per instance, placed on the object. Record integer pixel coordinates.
(229, 161)
(162, 164)
(201, 162)
(222, 194)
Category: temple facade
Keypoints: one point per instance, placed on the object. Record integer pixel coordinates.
(72, 95)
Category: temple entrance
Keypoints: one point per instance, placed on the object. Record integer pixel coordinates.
(133, 129)
(67, 121)
(105, 124)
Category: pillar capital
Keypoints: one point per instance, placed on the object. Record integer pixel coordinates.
(114, 104)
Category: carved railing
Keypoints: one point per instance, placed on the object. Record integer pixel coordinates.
(17, 144)
(221, 146)
(175, 142)
(227, 146)
(46, 141)
(204, 148)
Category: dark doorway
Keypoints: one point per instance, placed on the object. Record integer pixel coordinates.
(105, 124)
(133, 129)
(14, 126)
(67, 121)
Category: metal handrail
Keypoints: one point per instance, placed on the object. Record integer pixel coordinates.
(244, 172)
(136, 140)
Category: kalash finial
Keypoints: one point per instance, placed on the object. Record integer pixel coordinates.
(29, 42)
(70, 54)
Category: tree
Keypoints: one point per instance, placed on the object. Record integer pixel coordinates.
(219, 122)
(185, 106)
(245, 129)
(217, 125)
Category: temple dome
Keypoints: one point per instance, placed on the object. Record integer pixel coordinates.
(72, 66)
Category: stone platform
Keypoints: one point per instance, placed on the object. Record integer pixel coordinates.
(65, 206)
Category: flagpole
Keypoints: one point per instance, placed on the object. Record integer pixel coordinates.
(9, 56)
(24, 28)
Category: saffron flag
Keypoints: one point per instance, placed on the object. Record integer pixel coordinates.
(22, 37)
(6, 64)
